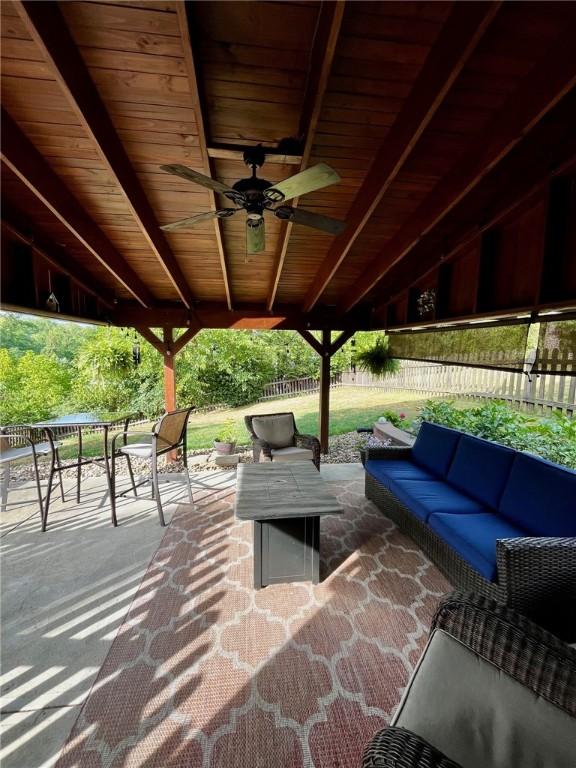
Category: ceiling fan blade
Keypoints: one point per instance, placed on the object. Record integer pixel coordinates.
(318, 176)
(309, 219)
(190, 221)
(197, 178)
(255, 237)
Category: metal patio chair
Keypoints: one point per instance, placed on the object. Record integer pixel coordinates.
(22, 441)
(168, 434)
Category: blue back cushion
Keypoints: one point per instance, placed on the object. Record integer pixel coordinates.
(540, 497)
(480, 469)
(435, 447)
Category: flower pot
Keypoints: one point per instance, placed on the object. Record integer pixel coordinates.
(224, 448)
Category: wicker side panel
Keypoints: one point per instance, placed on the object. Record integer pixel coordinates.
(513, 643)
(400, 748)
(550, 599)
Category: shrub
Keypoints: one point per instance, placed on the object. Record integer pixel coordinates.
(553, 438)
(396, 419)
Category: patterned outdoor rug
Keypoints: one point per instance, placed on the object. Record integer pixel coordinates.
(205, 672)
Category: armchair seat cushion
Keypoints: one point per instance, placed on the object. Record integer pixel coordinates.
(277, 431)
(474, 537)
(427, 497)
(292, 453)
(478, 715)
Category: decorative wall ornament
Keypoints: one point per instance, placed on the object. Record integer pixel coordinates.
(426, 303)
(52, 304)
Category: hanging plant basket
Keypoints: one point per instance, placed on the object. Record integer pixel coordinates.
(377, 360)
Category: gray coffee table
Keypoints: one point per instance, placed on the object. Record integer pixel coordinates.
(285, 501)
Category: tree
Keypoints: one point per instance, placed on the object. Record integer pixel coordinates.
(32, 387)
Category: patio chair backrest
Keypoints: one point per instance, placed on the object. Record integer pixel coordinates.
(277, 429)
(170, 429)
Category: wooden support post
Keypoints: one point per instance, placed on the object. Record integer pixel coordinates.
(169, 380)
(325, 391)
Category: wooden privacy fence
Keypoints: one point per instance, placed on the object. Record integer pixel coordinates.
(543, 392)
(288, 387)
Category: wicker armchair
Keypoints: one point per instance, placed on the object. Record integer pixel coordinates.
(516, 655)
(292, 440)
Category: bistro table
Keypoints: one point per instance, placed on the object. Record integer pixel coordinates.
(76, 422)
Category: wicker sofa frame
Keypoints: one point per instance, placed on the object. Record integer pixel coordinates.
(302, 441)
(521, 649)
(536, 576)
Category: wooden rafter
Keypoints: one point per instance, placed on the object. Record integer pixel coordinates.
(151, 338)
(182, 340)
(24, 160)
(340, 341)
(55, 255)
(312, 341)
(537, 94)
(458, 39)
(46, 25)
(323, 52)
(417, 266)
(191, 71)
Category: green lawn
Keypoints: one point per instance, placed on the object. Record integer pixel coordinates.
(350, 407)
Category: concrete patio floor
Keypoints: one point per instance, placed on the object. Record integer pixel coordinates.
(65, 592)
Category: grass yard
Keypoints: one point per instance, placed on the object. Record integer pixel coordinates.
(350, 407)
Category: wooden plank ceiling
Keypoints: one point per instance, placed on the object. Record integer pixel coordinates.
(419, 106)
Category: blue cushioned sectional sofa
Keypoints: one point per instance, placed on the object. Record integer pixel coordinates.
(494, 520)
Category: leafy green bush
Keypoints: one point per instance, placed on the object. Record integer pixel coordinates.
(396, 419)
(552, 438)
(32, 386)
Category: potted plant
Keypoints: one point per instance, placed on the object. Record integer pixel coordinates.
(377, 360)
(225, 440)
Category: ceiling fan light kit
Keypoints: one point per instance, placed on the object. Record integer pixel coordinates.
(258, 196)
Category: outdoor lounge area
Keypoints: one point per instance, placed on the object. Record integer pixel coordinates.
(287, 384)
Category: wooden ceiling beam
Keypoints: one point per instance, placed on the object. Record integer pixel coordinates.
(151, 338)
(182, 340)
(46, 25)
(324, 48)
(340, 341)
(24, 160)
(459, 37)
(417, 265)
(248, 316)
(234, 152)
(182, 10)
(54, 254)
(537, 94)
(312, 341)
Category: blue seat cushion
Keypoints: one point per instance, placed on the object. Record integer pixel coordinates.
(424, 497)
(384, 469)
(474, 538)
(435, 447)
(540, 497)
(480, 469)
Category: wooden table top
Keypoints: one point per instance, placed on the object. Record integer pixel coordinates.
(276, 490)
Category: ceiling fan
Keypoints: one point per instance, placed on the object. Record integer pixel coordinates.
(258, 196)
